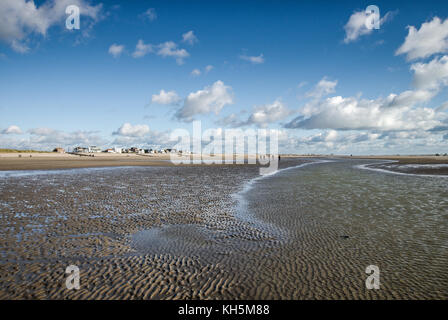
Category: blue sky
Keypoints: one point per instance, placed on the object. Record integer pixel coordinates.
(285, 65)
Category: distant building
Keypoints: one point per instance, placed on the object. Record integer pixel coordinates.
(109, 150)
(59, 150)
(117, 150)
(80, 150)
(94, 149)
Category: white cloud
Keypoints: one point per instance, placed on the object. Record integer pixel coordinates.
(404, 111)
(324, 87)
(210, 99)
(196, 72)
(346, 142)
(47, 139)
(189, 37)
(21, 18)
(165, 97)
(431, 75)
(169, 49)
(129, 130)
(116, 50)
(254, 59)
(269, 113)
(261, 116)
(150, 14)
(396, 112)
(431, 38)
(153, 139)
(12, 130)
(142, 49)
(208, 68)
(166, 49)
(356, 24)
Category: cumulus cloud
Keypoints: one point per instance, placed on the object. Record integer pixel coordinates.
(116, 50)
(323, 88)
(47, 138)
(356, 24)
(20, 18)
(153, 139)
(431, 75)
(359, 142)
(431, 38)
(395, 112)
(210, 99)
(169, 49)
(253, 59)
(150, 14)
(12, 130)
(260, 117)
(208, 68)
(189, 37)
(165, 97)
(142, 49)
(129, 130)
(269, 113)
(166, 49)
(404, 111)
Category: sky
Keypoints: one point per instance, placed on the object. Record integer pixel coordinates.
(313, 71)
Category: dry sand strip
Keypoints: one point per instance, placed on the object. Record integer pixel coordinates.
(48, 161)
(57, 163)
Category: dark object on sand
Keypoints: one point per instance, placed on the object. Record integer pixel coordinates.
(344, 237)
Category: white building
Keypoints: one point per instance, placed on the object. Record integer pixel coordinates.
(94, 149)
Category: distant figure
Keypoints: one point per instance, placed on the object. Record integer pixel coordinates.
(279, 158)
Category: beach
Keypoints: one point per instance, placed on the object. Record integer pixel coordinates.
(51, 161)
(222, 232)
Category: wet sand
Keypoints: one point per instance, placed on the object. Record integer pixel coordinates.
(418, 165)
(92, 218)
(222, 232)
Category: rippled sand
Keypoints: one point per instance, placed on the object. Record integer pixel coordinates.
(205, 232)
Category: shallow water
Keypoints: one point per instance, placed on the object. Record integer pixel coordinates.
(340, 219)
